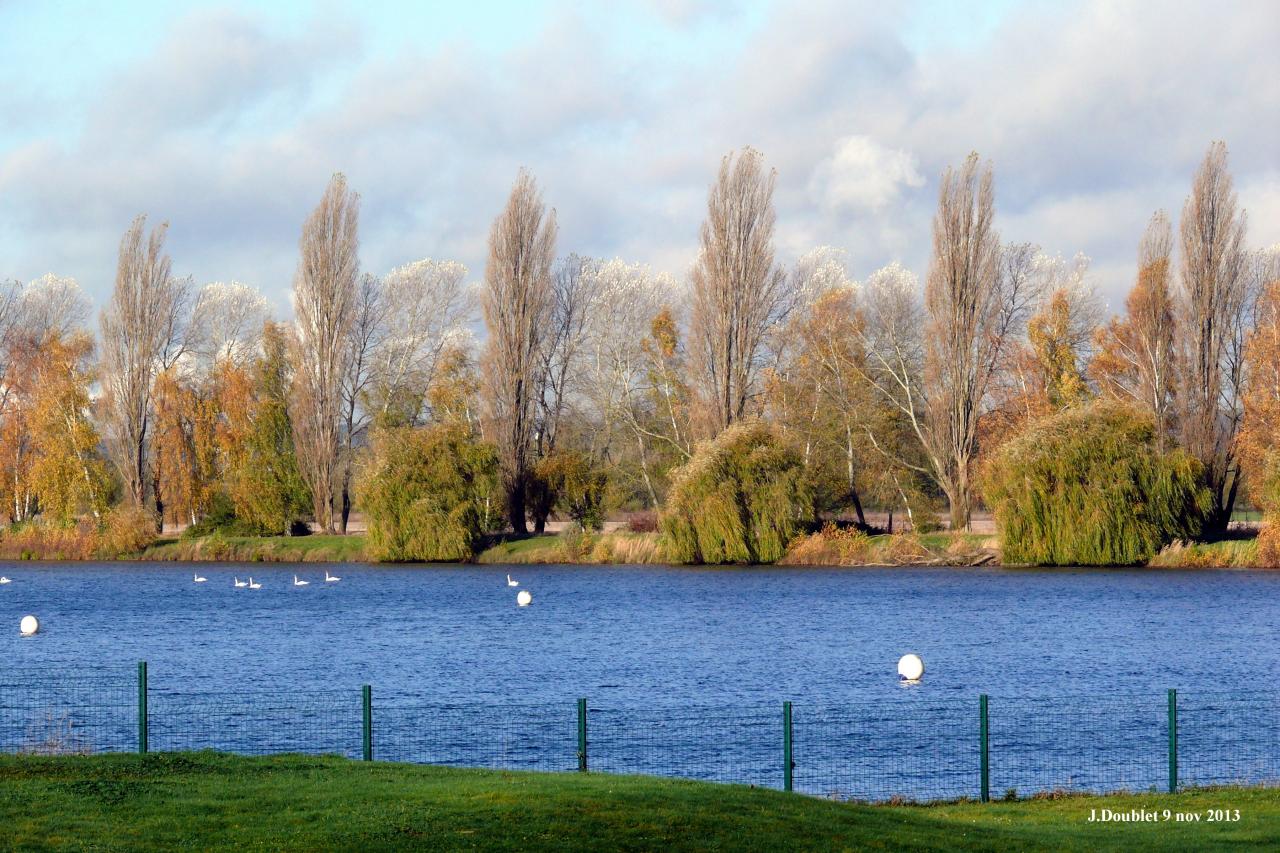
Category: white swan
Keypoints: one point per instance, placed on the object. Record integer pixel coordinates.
(5, 580)
(253, 585)
(297, 582)
(328, 578)
(238, 582)
(510, 582)
(199, 579)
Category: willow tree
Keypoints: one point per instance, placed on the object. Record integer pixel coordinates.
(142, 335)
(517, 302)
(324, 298)
(1088, 486)
(1136, 358)
(1214, 304)
(738, 292)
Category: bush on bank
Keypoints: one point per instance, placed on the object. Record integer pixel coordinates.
(740, 499)
(422, 492)
(1089, 487)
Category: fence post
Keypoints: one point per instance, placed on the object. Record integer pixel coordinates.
(366, 705)
(1173, 741)
(142, 707)
(582, 735)
(787, 764)
(983, 741)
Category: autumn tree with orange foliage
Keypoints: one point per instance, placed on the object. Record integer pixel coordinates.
(66, 474)
(1258, 442)
(1136, 359)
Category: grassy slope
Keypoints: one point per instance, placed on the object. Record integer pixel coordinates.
(278, 549)
(210, 802)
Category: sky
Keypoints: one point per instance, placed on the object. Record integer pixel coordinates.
(227, 119)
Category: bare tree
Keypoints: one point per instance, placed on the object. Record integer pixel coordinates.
(1136, 353)
(517, 302)
(738, 292)
(142, 334)
(618, 375)
(1214, 311)
(324, 301)
(425, 306)
(968, 319)
(366, 334)
(49, 306)
(227, 323)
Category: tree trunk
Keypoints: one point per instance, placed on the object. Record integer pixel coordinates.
(958, 500)
(346, 505)
(155, 487)
(515, 507)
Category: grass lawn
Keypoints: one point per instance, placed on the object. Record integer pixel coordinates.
(316, 548)
(209, 801)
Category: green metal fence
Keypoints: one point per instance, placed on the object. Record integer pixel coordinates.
(922, 747)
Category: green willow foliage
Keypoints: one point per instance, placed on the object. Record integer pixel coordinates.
(422, 493)
(740, 499)
(1087, 487)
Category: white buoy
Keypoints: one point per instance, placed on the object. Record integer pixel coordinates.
(524, 599)
(910, 667)
(29, 626)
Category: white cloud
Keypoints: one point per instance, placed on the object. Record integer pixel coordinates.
(862, 174)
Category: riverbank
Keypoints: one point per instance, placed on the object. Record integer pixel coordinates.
(213, 801)
(828, 547)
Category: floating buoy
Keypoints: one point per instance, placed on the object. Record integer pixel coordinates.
(524, 599)
(910, 667)
(29, 626)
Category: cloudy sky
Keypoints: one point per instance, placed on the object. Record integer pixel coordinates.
(227, 120)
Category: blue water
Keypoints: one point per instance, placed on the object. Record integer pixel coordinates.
(685, 669)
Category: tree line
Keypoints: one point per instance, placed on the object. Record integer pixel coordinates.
(596, 382)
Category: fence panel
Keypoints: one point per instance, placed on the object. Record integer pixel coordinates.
(917, 749)
(512, 737)
(1079, 743)
(97, 712)
(712, 743)
(258, 722)
(1229, 738)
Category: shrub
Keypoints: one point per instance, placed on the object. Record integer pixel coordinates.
(578, 486)
(1088, 486)
(422, 491)
(126, 529)
(740, 499)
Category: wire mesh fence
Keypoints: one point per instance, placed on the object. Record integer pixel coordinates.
(914, 746)
(914, 750)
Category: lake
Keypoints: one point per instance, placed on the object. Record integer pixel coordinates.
(685, 669)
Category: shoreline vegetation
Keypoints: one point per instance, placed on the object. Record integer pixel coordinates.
(829, 547)
(727, 416)
(214, 801)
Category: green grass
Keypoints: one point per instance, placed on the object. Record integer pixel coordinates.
(271, 549)
(520, 549)
(209, 801)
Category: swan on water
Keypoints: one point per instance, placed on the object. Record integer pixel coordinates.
(328, 578)
(4, 579)
(253, 585)
(238, 582)
(297, 582)
(199, 579)
(524, 599)
(510, 582)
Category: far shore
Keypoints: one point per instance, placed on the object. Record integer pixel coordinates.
(621, 547)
